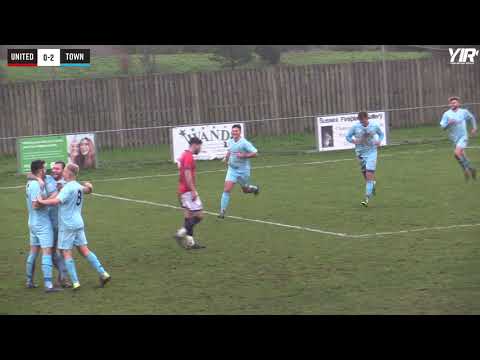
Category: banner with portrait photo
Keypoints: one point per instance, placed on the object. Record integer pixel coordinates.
(332, 129)
(82, 151)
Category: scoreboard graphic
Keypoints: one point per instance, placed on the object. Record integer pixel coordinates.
(49, 57)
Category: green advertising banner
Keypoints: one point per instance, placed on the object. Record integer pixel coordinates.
(49, 148)
(75, 148)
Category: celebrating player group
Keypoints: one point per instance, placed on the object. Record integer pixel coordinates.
(55, 223)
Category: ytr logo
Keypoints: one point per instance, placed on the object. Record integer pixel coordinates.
(463, 55)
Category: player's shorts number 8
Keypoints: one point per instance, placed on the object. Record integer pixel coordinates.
(79, 198)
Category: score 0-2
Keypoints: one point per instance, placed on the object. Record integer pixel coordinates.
(48, 57)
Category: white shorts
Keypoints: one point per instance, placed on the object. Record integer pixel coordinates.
(462, 142)
(189, 204)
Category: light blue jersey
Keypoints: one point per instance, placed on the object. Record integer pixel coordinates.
(241, 165)
(70, 208)
(366, 135)
(41, 233)
(238, 170)
(51, 188)
(457, 132)
(37, 218)
(50, 185)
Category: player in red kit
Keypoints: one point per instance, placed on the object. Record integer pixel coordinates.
(188, 196)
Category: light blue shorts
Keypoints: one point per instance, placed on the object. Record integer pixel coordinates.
(67, 239)
(462, 142)
(235, 176)
(42, 237)
(368, 161)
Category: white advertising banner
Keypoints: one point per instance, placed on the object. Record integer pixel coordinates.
(213, 136)
(332, 129)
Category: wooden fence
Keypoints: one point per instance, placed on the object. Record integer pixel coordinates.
(66, 106)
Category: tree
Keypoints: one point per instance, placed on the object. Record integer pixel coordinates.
(123, 56)
(269, 54)
(148, 60)
(232, 56)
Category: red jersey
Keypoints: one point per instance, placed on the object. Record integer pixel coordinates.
(186, 162)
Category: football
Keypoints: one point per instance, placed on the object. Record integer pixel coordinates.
(188, 242)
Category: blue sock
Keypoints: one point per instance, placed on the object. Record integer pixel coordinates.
(93, 260)
(466, 162)
(369, 188)
(59, 262)
(72, 272)
(47, 268)
(225, 201)
(463, 161)
(31, 265)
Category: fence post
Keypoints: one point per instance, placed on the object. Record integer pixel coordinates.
(351, 90)
(420, 90)
(274, 108)
(197, 116)
(41, 118)
(119, 113)
(384, 78)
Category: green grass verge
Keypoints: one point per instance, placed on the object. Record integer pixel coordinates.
(338, 57)
(193, 62)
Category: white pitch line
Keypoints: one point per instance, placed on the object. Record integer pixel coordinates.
(200, 172)
(296, 227)
(329, 161)
(224, 170)
(288, 226)
(11, 187)
(254, 167)
(151, 176)
(228, 216)
(416, 230)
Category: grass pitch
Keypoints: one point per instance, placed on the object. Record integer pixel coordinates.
(258, 267)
